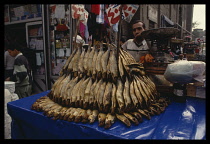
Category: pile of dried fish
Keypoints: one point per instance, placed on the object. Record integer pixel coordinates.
(94, 85)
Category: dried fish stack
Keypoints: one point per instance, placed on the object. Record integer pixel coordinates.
(95, 85)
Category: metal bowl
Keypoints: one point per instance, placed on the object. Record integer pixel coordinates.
(160, 33)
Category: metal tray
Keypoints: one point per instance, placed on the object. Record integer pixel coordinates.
(160, 33)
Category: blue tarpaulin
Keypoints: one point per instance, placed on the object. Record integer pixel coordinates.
(178, 121)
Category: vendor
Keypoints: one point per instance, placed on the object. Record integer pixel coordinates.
(137, 47)
(21, 74)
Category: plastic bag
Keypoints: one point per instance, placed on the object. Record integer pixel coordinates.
(183, 71)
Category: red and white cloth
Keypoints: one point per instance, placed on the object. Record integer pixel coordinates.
(128, 11)
(78, 11)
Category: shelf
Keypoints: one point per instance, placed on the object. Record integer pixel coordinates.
(22, 21)
(35, 36)
(39, 50)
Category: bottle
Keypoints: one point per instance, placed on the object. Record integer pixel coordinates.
(179, 92)
(38, 59)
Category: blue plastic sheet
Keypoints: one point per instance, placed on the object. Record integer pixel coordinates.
(178, 121)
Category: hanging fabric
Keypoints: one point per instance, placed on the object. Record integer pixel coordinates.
(106, 21)
(113, 12)
(91, 22)
(88, 7)
(95, 8)
(115, 27)
(60, 11)
(128, 11)
(100, 17)
(86, 34)
(82, 30)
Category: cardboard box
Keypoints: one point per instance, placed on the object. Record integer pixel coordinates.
(194, 90)
(201, 92)
(190, 57)
(198, 83)
(191, 90)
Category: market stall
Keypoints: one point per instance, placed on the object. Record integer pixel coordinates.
(178, 121)
(102, 92)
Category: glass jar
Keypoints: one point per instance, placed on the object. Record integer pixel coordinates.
(58, 44)
(64, 44)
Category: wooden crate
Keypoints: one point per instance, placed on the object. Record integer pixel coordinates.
(155, 68)
(198, 83)
(191, 90)
(164, 89)
(190, 57)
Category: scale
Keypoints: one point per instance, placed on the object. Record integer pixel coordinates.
(160, 36)
(160, 39)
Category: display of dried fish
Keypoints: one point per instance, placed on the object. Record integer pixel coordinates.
(96, 85)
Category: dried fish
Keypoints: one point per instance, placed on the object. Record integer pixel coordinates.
(113, 65)
(100, 95)
(98, 63)
(138, 94)
(70, 66)
(133, 96)
(120, 67)
(123, 119)
(89, 61)
(104, 62)
(137, 116)
(94, 64)
(113, 99)
(87, 94)
(143, 113)
(93, 116)
(69, 91)
(119, 95)
(74, 93)
(78, 117)
(81, 92)
(74, 114)
(86, 58)
(126, 95)
(142, 93)
(86, 115)
(110, 119)
(80, 64)
(131, 118)
(107, 97)
(92, 96)
(67, 62)
(105, 89)
(101, 119)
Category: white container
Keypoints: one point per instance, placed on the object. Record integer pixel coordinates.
(10, 86)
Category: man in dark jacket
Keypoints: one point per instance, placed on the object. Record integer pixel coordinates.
(21, 75)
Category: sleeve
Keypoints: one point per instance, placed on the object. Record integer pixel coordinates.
(13, 78)
(20, 71)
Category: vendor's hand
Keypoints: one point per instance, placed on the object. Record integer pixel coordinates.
(7, 79)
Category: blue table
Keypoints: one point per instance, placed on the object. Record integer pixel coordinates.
(179, 121)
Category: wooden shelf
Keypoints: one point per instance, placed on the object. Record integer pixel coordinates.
(22, 21)
(35, 36)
